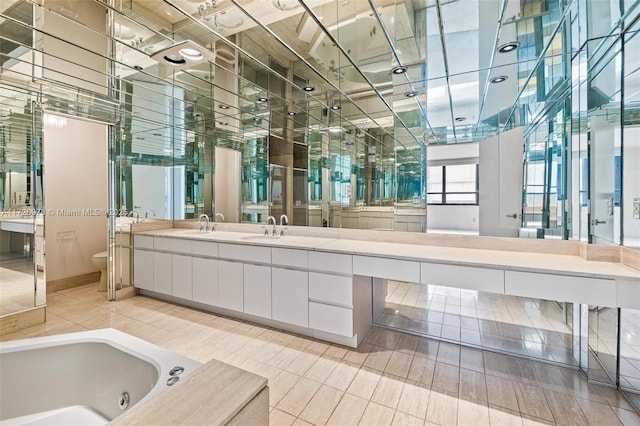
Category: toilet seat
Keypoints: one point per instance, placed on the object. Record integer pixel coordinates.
(101, 255)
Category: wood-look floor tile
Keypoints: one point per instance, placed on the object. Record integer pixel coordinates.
(399, 364)
(364, 383)
(280, 418)
(358, 356)
(472, 413)
(565, 409)
(442, 408)
(500, 392)
(627, 417)
(500, 416)
(449, 353)
(471, 359)
(321, 406)
(302, 363)
(598, 413)
(279, 386)
(414, 399)
(422, 371)
(378, 358)
(321, 369)
(298, 396)
(388, 391)
(348, 412)
(446, 377)
(404, 419)
(377, 414)
(532, 401)
(473, 386)
(342, 375)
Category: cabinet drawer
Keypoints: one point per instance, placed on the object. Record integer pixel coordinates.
(143, 241)
(392, 269)
(289, 257)
(562, 288)
(245, 252)
(177, 245)
(331, 262)
(204, 248)
(332, 319)
(331, 289)
(467, 277)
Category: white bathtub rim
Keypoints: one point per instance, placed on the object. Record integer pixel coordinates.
(162, 359)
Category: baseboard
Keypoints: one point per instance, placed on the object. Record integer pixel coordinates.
(20, 320)
(70, 282)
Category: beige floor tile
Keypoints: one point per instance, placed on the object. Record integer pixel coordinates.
(358, 356)
(407, 344)
(298, 396)
(442, 408)
(414, 399)
(446, 377)
(321, 406)
(280, 418)
(449, 353)
(472, 413)
(335, 351)
(342, 375)
(471, 359)
(284, 357)
(321, 369)
(378, 358)
(376, 414)
(500, 416)
(627, 417)
(531, 401)
(388, 391)
(598, 413)
(302, 363)
(528, 420)
(300, 422)
(364, 383)
(422, 370)
(473, 386)
(399, 364)
(404, 419)
(279, 386)
(427, 348)
(16, 335)
(318, 348)
(565, 409)
(500, 392)
(348, 412)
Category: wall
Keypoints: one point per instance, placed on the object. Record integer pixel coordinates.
(631, 186)
(454, 218)
(227, 184)
(75, 193)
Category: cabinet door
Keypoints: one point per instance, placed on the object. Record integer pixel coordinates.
(257, 290)
(162, 273)
(230, 285)
(205, 280)
(290, 296)
(181, 276)
(143, 269)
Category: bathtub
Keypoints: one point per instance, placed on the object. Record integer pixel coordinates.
(86, 378)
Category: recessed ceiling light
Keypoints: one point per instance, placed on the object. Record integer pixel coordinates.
(223, 106)
(291, 113)
(399, 70)
(262, 99)
(509, 47)
(459, 119)
(175, 59)
(411, 94)
(335, 107)
(191, 54)
(499, 79)
(308, 88)
(137, 67)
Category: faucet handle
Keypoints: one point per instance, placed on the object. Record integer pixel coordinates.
(266, 230)
(282, 228)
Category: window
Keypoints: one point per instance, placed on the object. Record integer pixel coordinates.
(453, 184)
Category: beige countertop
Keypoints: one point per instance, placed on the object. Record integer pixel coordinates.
(211, 395)
(499, 259)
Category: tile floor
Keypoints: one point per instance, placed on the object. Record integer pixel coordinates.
(16, 283)
(523, 326)
(393, 378)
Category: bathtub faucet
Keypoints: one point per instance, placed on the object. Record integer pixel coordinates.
(206, 226)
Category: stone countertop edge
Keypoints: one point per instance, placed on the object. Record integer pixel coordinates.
(213, 394)
(460, 256)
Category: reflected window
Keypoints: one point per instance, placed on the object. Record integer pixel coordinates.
(452, 184)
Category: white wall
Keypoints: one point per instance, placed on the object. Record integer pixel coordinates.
(462, 153)
(631, 185)
(75, 190)
(227, 184)
(454, 218)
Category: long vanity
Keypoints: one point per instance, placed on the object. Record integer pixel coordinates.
(330, 285)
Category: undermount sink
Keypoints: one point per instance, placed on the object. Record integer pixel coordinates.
(260, 237)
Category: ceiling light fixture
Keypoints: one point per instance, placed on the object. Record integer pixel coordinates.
(184, 54)
(223, 106)
(292, 113)
(399, 70)
(411, 94)
(460, 119)
(308, 88)
(262, 99)
(335, 107)
(509, 47)
(499, 79)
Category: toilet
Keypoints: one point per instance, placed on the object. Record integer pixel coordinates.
(100, 262)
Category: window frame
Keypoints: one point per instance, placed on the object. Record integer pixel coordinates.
(443, 193)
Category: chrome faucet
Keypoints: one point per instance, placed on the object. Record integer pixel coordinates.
(146, 214)
(206, 227)
(135, 215)
(284, 220)
(215, 219)
(273, 232)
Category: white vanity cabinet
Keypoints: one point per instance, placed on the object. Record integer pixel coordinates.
(181, 276)
(162, 272)
(143, 269)
(231, 285)
(290, 296)
(257, 290)
(204, 279)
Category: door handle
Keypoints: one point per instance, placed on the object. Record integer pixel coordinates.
(513, 216)
(595, 222)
